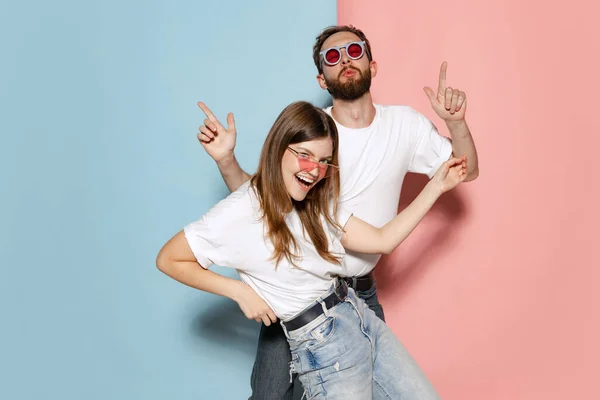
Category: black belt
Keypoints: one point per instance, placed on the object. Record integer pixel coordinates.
(362, 283)
(338, 296)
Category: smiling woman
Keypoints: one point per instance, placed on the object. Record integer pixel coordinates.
(278, 183)
(288, 245)
(311, 170)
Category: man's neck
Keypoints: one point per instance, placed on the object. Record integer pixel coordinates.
(354, 114)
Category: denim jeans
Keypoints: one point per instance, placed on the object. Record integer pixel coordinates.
(270, 374)
(349, 353)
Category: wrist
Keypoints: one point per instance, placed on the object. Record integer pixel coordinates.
(227, 161)
(234, 290)
(457, 128)
(433, 190)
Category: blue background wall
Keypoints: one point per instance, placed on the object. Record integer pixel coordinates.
(100, 165)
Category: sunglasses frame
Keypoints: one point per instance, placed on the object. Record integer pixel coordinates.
(338, 49)
(322, 171)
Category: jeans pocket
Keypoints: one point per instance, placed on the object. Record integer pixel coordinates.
(322, 332)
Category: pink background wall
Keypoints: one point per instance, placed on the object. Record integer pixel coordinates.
(496, 294)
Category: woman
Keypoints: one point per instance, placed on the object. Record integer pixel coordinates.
(284, 234)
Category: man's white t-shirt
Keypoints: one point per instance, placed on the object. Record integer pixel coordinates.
(373, 162)
(232, 234)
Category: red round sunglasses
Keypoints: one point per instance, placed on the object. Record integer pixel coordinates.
(333, 55)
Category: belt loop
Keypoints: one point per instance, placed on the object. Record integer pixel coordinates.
(324, 307)
(354, 282)
(285, 331)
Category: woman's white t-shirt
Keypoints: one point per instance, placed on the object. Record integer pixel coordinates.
(233, 235)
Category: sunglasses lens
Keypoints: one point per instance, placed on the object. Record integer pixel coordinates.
(354, 50)
(332, 56)
(325, 170)
(306, 164)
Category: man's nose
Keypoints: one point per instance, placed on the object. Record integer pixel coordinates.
(345, 58)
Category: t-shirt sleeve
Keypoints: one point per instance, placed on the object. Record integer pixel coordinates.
(341, 217)
(431, 149)
(212, 237)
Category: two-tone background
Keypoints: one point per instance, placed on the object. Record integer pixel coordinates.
(495, 294)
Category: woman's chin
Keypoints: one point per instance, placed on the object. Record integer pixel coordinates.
(298, 196)
(296, 192)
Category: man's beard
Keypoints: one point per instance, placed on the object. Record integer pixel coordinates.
(352, 89)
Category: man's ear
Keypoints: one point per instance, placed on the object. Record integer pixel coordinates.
(321, 81)
(373, 68)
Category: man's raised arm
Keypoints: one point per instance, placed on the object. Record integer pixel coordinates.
(219, 143)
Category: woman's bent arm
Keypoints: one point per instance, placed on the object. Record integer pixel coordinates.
(177, 260)
(362, 237)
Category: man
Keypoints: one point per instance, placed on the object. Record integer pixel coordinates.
(378, 146)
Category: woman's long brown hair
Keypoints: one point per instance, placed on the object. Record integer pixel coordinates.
(298, 122)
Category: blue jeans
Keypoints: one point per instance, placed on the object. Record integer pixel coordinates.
(349, 353)
(270, 374)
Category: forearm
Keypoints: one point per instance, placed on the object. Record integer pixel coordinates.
(398, 229)
(233, 175)
(193, 275)
(362, 237)
(462, 143)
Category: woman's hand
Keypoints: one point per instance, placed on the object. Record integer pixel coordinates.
(450, 174)
(253, 306)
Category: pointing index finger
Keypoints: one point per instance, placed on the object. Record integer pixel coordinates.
(207, 112)
(442, 79)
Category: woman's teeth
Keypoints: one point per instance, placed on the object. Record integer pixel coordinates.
(304, 180)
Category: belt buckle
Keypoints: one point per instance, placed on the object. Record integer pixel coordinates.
(351, 281)
(341, 288)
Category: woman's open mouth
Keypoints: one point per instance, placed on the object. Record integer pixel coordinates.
(305, 182)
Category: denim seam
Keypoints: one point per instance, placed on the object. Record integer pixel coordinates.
(381, 387)
(363, 327)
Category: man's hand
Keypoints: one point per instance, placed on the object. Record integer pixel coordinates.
(218, 142)
(253, 306)
(449, 104)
